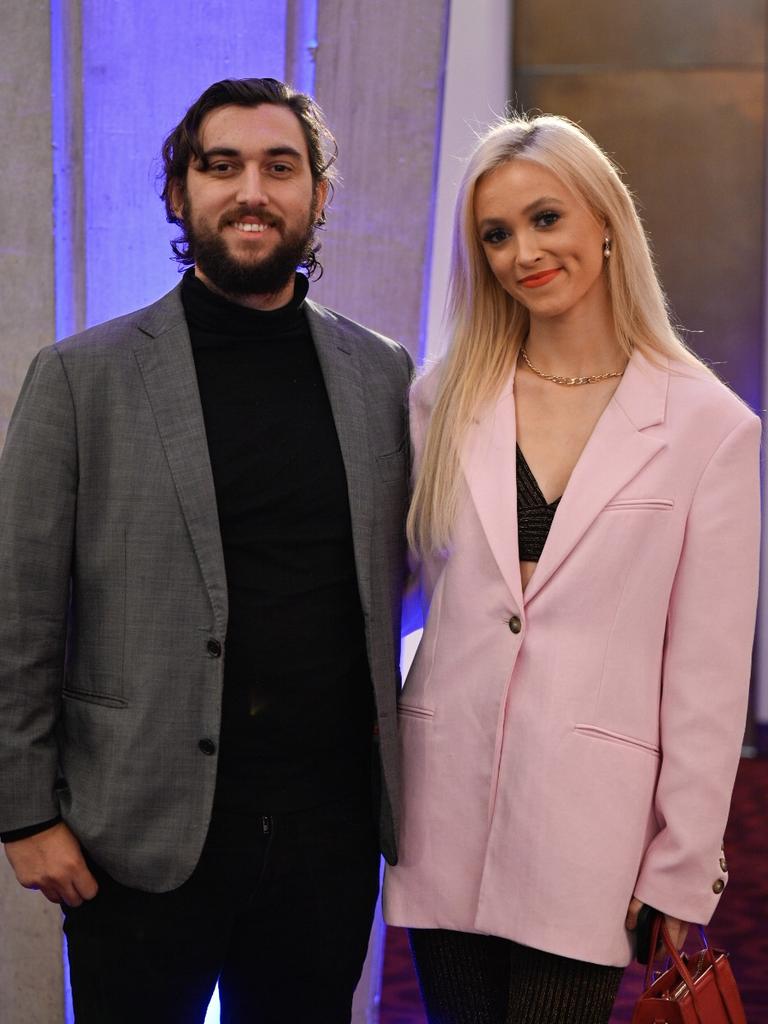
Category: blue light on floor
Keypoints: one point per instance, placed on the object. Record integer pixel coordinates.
(212, 1017)
(69, 1015)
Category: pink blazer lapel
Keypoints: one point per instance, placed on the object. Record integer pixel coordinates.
(488, 463)
(616, 452)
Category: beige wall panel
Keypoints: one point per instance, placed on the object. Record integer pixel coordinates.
(26, 247)
(379, 74)
(691, 144)
(31, 965)
(640, 33)
(31, 979)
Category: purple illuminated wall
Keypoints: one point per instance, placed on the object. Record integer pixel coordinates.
(141, 66)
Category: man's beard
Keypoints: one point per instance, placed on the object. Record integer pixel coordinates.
(242, 276)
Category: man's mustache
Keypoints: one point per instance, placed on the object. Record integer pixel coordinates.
(233, 216)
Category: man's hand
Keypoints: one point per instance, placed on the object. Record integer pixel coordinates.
(677, 929)
(52, 862)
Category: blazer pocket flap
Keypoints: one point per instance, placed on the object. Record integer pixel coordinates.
(413, 711)
(660, 504)
(104, 700)
(596, 732)
(392, 465)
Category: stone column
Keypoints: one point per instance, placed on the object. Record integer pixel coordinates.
(26, 245)
(379, 75)
(31, 984)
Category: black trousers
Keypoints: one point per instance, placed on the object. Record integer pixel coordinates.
(482, 979)
(278, 911)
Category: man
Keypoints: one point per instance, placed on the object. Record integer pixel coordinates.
(201, 553)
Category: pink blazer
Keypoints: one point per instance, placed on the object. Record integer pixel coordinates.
(566, 748)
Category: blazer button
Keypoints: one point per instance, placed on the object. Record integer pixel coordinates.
(724, 865)
(214, 648)
(207, 746)
(515, 624)
(718, 886)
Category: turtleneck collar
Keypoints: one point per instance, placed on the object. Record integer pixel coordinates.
(212, 313)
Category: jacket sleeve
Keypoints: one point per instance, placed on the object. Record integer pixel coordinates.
(705, 682)
(38, 487)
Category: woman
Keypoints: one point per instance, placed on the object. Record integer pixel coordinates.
(572, 721)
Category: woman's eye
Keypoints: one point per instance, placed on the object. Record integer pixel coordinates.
(546, 219)
(495, 236)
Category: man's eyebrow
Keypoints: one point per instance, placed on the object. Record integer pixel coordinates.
(208, 154)
(218, 151)
(284, 151)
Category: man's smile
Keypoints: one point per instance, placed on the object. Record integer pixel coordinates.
(242, 226)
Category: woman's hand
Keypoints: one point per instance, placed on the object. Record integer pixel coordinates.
(677, 929)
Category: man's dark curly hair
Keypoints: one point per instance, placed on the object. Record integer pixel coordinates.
(182, 146)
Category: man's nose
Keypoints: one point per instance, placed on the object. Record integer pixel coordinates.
(251, 188)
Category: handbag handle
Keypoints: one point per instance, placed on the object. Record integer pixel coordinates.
(660, 928)
(659, 931)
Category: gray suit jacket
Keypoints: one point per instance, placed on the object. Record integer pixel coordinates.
(112, 582)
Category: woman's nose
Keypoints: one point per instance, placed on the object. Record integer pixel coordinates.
(528, 249)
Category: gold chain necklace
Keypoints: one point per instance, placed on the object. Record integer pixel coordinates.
(568, 382)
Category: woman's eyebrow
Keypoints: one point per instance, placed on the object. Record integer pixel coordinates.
(541, 202)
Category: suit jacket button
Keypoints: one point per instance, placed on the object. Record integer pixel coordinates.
(718, 886)
(207, 746)
(724, 865)
(214, 648)
(515, 624)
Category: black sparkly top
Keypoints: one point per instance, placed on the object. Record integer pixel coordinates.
(534, 515)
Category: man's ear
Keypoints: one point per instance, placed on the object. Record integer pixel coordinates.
(176, 196)
(321, 198)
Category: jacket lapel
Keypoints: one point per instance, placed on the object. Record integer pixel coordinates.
(489, 465)
(164, 357)
(337, 352)
(616, 452)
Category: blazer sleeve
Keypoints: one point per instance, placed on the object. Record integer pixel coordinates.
(38, 487)
(705, 681)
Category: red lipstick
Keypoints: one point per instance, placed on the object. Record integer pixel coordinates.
(537, 280)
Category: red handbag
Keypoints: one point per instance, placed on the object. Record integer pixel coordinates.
(697, 989)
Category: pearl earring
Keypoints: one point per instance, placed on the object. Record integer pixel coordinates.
(606, 247)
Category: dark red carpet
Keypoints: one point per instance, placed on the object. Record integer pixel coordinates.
(740, 925)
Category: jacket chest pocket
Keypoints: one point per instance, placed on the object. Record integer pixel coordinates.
(640, 505)
(393, 465)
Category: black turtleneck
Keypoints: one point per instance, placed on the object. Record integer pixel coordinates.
(298, 705)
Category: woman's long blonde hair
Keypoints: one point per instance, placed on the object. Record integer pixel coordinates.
(487, 326)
